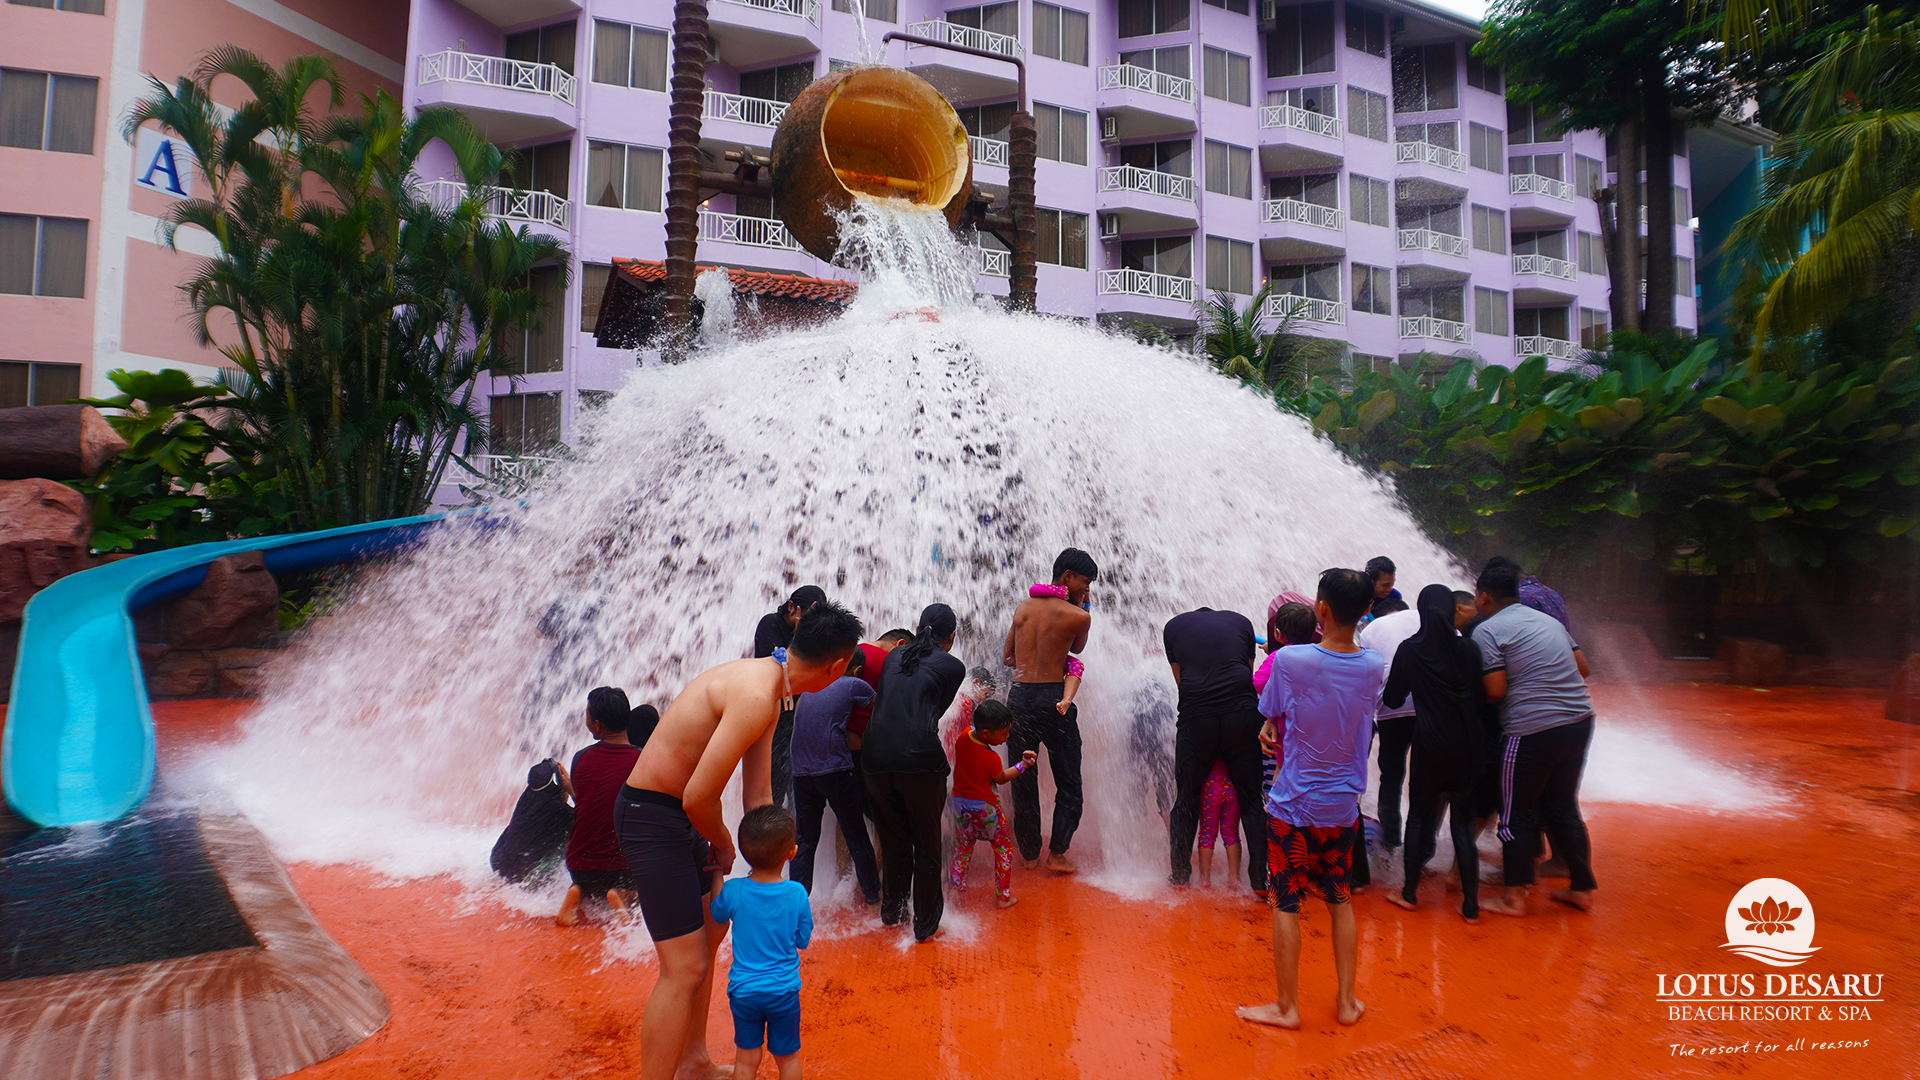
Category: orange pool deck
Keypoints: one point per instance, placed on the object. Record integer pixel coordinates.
(1076, 983)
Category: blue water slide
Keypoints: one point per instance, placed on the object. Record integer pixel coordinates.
(79, 734)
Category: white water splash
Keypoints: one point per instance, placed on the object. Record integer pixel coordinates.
(714, 289)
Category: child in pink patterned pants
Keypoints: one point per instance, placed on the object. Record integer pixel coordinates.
(1219, 816)
(976, 805)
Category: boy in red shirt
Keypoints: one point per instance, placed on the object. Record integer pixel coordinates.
(594, 859)
(976, 806)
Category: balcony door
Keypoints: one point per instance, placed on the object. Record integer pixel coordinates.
(1440, 301)
(547, 167)
(1169, 255)
(551, 44)
(1175, 60)
(1552, 244)
(1320, 281)
(1440, 219)
(782, 83)
(1172, 156)
(1542, 322)
(1320, 189)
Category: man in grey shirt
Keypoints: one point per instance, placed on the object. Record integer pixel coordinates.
(1537, 674)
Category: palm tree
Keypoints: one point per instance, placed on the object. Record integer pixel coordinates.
(1234, 343)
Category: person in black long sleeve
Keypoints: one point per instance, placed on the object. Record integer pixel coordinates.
(906, 769)
(1440, 669)
(775, 631)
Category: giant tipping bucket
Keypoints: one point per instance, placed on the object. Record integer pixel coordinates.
(874, 132)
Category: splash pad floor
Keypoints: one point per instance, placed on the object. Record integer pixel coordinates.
(1077, 982)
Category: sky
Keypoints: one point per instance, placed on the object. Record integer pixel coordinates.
(1474, 9)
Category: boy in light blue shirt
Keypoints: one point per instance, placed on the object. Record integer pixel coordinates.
(771, 924)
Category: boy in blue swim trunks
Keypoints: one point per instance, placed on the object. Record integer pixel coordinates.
(771, 924)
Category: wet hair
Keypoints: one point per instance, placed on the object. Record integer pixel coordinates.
(1462, 598)
(937, 623)
(766, 835)
(1500, 580)
(1378, 565)
(992, 715)
(1073, 560)
(607, 706)
(806, 596)
(856, 661)
(898, 633)
(1349, 593)
(1292, 624)
(1388, 605)
(984, 677)
(640, 724)
(826, 633)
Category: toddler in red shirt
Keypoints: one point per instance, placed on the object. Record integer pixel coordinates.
(977, 768)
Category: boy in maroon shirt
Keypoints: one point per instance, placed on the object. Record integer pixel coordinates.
(594, 859)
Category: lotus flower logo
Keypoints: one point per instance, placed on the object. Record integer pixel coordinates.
(1771, 920)
(1769, 917)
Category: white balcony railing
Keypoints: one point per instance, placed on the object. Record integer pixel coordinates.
(988, 151)
(505, 204)
(1142, 283)
(1535, 184)
(1292, 116)
(1306, 309)
(759, 112)
(1416, 153)
(995, 262)
(1545, 265)
(1151, 181)
(461, 67)
(751, 231)
(1426, 326)
(1305, 213)
(955, 34)
(1147, 81)
(1429, 240)
(506, 474)
(802, 9)
(1540, 345)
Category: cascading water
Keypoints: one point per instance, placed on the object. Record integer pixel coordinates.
(896, 457)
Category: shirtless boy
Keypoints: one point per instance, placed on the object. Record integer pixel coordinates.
(1044, 631)
(677, 845)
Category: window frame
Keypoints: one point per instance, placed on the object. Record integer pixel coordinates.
(1237, 256)
(1058, 18)
(1238, 169)
(1238, 80)
(632, 52)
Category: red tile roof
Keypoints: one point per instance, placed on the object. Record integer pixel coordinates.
(758, 282)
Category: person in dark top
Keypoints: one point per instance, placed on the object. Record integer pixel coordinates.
(1217, 719)
(530, 847)
(824, 775)
(1441, 671)
(594, 861)
(776, 632)
(906, 769)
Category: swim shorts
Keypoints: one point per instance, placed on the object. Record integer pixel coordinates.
(1309, 860)
(777, 1014)
(669, 861)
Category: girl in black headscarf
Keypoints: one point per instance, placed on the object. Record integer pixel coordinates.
(1441, 669)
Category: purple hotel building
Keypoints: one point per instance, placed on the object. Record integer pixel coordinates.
(1351, 153)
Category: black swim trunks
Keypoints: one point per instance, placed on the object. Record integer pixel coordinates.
(668, 860)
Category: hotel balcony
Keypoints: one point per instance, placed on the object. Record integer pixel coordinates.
(1542, 279)
(1427, 327)
(1428, 257)
(1551, 348)
(718, 228)
(1294, 138)
(747, 32)
(520, 12)
(1162, 299)
(1426, 172)
(957, 75)
(1304, 310)
(734, 122)
(988, 153)
(1146, 104)
(1147, 200)
(1539, 200)
(1292, 229)
(993, 262)
(503, 204)
(509, 100)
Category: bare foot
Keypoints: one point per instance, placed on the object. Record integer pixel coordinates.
(1350, 1015)
(1059, 863)
(618, 901)
(1030, 864)
(1501, 905)
(1472, 918)
(1007, 903)
(1358, 890)
(1270, 1015)
(569, 908)
(1401, 902)
(703, 1070)
(1574, 898)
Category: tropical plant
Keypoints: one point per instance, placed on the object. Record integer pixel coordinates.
(1233, 341)
(360, 317)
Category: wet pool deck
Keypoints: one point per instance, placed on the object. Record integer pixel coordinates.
(1076, 983)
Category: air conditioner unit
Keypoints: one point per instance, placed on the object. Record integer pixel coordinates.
(1109, 128)
(1269, 10)
(1109, 226)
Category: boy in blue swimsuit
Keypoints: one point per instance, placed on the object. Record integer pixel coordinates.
(771, 924)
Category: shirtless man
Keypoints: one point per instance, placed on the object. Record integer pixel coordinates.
(670, 827)
(1044, 631)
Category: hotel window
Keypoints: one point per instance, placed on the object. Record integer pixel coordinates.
(1423, 78)
(1062, 134)
(1682, 276)
(1372, 289)
(1541, 322)
(1228, 76)
(23, 384)
(541, 347)
(1301, 41)
(1444, 133)
(883, 10)
(1487, 147)
(1440, 219)
(1173, 60)
(782, 83)
(1682, 206)
(1592, 252)
(1367, 201)
(84, 7)
(39, 111)
(1138, 18)
(1229, 170)
(1314, 99)
(1547, 165)
(1593, 328)
(1169, 255)
(1229, 265)
(1440, 301)
(593, 289)
(993, 18)
(1366, 114)
(43, 256)
(1172, 156)
(1319, 189)
(1588, 176)
(547, 167)
(523, 424)
(1490, 229)
(1551, 243)
(547, 45)
(1060, 238)
(625, 177)
(1482, 76)
(988, 121)
(1526, 124)
(629, 56)
(1060, 33)
(1489, 312)
(1366, 30)
(1238, 7)
(1320, 281)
